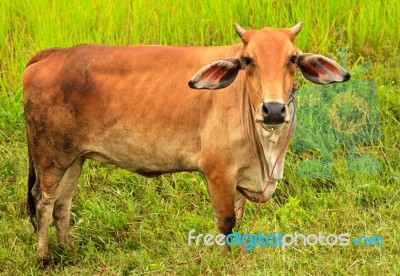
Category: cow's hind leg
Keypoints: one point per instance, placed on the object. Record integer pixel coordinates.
(62, 206)
(45, 193)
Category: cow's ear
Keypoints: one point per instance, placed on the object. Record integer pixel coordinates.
(320, 69)
(216, 75)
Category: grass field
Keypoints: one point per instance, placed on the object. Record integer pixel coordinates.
(125, 224)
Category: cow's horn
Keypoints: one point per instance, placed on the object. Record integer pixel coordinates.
(239, 30)
(296, 29)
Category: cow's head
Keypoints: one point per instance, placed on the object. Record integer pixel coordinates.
(269, 58)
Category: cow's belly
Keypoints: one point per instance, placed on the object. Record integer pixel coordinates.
(143, 154)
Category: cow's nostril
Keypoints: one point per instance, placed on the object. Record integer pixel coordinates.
(283, 110)
(265, 109)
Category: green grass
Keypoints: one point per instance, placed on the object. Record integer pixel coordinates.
(126, 224)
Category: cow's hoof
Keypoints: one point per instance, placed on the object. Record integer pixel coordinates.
(67, 242)
(44, 262)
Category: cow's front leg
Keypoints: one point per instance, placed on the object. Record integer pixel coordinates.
(222, 193)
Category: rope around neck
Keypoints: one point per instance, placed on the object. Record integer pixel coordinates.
(291, 99)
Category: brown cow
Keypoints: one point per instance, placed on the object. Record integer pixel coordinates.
(132, 107)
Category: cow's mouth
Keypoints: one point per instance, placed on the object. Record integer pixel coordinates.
(271, 125)
(252, 196)
(269, 129)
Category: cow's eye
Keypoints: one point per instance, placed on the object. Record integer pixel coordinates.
(293, 59)
(247, 60)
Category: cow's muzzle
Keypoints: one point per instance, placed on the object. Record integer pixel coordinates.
(273, 113)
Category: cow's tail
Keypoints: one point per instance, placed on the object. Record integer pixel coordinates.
(31, 206)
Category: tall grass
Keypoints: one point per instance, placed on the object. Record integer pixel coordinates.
(127, 224)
